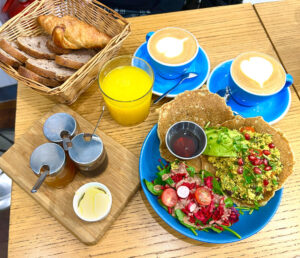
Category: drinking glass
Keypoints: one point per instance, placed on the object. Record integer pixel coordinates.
(132, 111)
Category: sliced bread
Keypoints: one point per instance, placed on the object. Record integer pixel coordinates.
(11, 48)
(35, 77)
(35, 46)
(76, 59)
(56, 49)
(49, 69)
(8, 59)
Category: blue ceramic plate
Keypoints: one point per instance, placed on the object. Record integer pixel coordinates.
(272, 110)
(200, 65)
(247, 226)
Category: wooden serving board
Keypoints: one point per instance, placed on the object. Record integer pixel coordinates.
(120, 176)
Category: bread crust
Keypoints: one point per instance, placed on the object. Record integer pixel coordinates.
(14, 52)
(40, 71)
(9, 61)
(56, 49)
(34, 53)
(68, 63)
(35, 77)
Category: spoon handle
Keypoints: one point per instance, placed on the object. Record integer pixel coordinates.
(39, 181)
(168, 91)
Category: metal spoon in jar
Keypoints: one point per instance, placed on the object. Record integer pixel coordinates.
(184, 77)
(88, 136)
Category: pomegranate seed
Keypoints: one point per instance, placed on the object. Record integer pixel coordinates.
(252, 157)
(240, 170)
(167, 186)
(266, 182)
(266, 152)
(267, 168)
(240, 162)
(247, 136)
(257, 162)
(271, 145)
(257, 170)
(266, 162)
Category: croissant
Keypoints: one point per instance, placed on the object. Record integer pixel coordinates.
(70, 33)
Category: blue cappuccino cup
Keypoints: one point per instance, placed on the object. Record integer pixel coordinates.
(246, 97)
(168, 70)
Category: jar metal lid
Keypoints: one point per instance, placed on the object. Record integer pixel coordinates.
(85, 151)
(48, 154)
(58, 123)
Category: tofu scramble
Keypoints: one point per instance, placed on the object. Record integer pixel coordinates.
(253, 172)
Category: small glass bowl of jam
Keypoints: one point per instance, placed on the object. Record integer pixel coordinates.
(186, 140)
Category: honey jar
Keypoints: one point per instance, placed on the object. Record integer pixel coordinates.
(50, 163)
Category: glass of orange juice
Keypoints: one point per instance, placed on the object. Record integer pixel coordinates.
(126, 84)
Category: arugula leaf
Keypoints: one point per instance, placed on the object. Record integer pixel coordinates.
(180, 216)
(274, 182)
(216, 229)
(228, 202)
(231, 231)
(151, 189)
(191, 171)
(216, 185)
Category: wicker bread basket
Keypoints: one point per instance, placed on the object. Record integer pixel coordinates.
(91, 12)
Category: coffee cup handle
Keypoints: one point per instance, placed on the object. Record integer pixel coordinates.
(289, 81)
(149, 34)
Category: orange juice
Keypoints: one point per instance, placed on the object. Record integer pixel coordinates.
(127, 92)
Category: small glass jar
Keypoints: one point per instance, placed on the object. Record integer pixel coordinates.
(88, 154)
(50, 158)
(60, 128)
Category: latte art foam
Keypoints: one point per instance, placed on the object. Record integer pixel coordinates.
(258, 73)
(257, 69)
(172, 46)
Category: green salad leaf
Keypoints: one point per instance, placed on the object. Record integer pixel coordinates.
(180, 216)
(151, 189)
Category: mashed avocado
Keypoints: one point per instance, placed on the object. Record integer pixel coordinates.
(253, 171)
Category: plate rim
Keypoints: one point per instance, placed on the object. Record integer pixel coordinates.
(197, 87)
(146, 192)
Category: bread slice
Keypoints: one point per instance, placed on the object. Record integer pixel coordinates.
(35, 77)
(35, 46)
(76, 59)
(11, 48)
(8, 59)
(49, 69)
(56, 49)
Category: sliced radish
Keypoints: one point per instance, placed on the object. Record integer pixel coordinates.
(183, 191)
(191, 206)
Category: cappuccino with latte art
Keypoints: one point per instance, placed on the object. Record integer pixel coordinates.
(258, 73)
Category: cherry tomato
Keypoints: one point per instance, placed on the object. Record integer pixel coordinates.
(169, 197)
(203, 196)
(247, 128)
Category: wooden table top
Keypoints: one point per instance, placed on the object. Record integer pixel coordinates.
(282, 23)
(223, 32)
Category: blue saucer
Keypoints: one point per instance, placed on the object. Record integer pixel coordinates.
(201, 65)
(272, 110)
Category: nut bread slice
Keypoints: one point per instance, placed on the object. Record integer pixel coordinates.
(49, 69)
(35, 77)
(56, 49)
(35, 46)
(8, 59)
(76, 59)
(11, 48)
